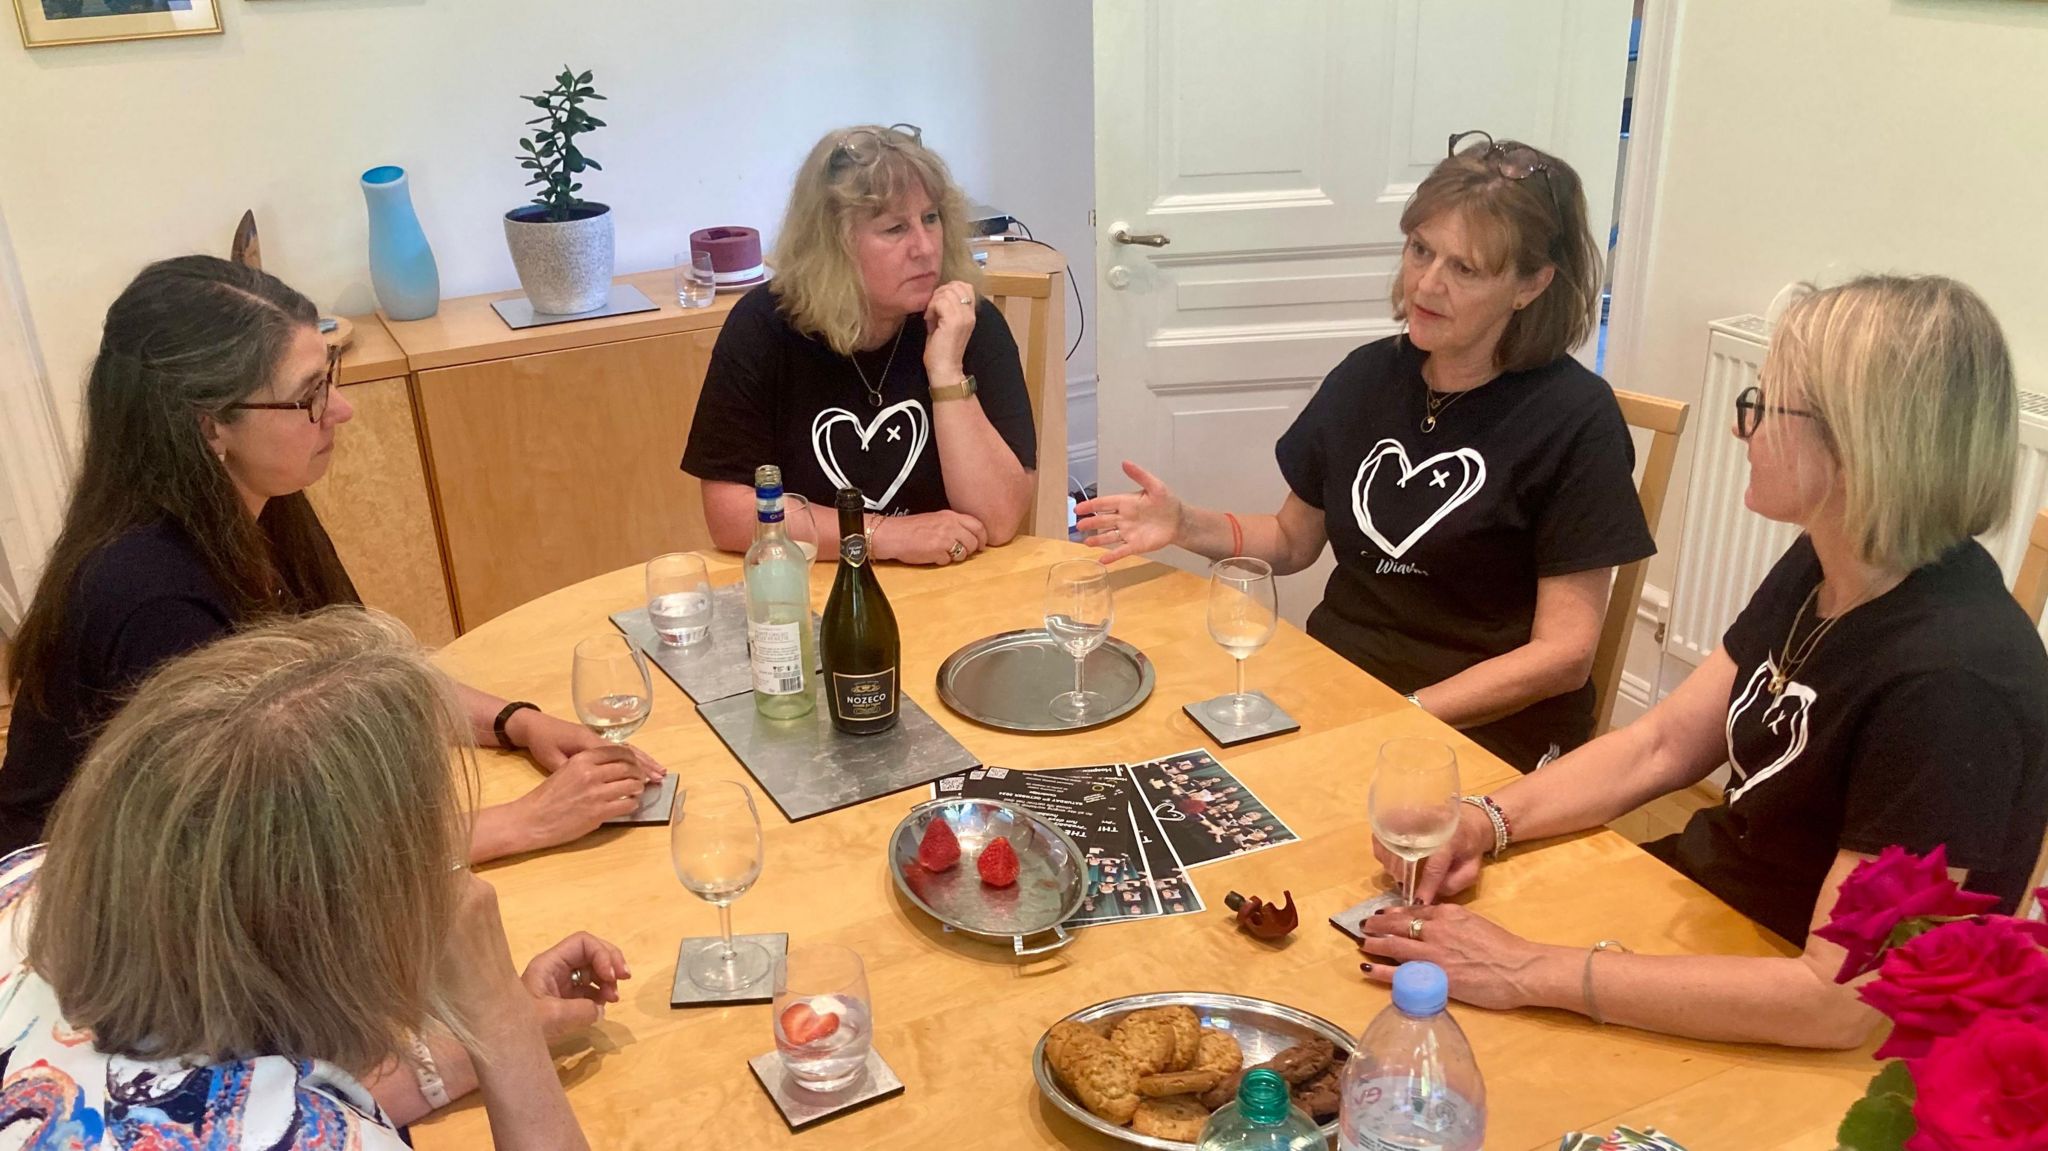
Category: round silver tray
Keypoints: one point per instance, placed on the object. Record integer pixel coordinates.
(1261, 1027)
(1007, 681)
(1049, 886)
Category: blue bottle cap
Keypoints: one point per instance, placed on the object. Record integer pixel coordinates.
(1263, 1097)
(1421, 988)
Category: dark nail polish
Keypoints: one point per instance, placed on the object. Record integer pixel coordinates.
(1365, 967)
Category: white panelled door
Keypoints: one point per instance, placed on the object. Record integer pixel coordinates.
(1271, 146)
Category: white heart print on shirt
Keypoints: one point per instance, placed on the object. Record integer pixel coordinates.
(1456, 475)
(902, 424)
(1784, 716)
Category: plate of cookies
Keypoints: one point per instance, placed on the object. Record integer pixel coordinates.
(1150, 1069)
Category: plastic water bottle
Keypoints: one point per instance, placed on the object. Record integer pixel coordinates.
(1262, 1118)
(1412, 1084)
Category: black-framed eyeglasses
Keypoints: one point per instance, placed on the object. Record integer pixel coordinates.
(315, 405)
(1514, 161)
(863, 146)
(1750, 408)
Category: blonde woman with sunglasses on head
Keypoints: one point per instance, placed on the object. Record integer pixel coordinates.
(1881, 688)
(870, 361)
(252, 907)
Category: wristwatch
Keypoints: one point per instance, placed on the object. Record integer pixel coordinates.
(498, 725)
(960, 391)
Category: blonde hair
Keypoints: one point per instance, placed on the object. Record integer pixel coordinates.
(1913, 387)
(1525, 225)
(255, 858)
(817, 281)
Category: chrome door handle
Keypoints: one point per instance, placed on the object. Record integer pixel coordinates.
(1144, 239)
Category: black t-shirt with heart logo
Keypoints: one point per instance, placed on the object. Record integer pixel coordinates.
(1919, 719)
(1440, 536)
(774, 395)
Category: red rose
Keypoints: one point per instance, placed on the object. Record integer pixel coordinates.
(1935, 984)
(1983, 1090)
(1882, 892)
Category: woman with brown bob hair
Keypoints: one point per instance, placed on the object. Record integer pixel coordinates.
(211, 407)
(1472, 478)
(870, 362)
(246, 917)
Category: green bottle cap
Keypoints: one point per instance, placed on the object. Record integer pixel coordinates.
(1262, 1097)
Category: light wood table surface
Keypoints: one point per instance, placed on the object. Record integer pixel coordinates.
(958, 1018)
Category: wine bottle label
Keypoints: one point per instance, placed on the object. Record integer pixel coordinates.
(864, 697)
(853, 550)
(778, 657)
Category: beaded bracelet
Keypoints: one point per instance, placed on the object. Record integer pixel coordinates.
(1502, 834)
(426, 1074)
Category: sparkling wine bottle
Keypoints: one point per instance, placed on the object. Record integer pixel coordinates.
(859, 641)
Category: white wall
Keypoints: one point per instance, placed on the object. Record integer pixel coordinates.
(1829, 137)
(113, 155)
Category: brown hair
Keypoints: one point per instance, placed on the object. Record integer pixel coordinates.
(817, 282)
(1524, 225)
(255, 857)
(186, 338)
(1913, 386)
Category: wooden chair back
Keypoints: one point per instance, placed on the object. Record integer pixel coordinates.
(1664, 419)
(1029, 284)
(2031, 589)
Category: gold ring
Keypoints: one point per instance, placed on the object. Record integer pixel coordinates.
(956, 551)
(967, 299)
(1415, 930)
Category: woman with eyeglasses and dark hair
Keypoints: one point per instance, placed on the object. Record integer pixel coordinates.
(1881, 688)
(210, 408)
(870, 361)
(1473, 480)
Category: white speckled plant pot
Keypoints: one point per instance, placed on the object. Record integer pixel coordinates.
(565, 267)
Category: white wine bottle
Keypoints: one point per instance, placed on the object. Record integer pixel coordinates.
(780, 644)
(858, 638)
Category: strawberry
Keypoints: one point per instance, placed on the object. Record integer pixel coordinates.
(939, 850)
(998, 864)
(803, 1026)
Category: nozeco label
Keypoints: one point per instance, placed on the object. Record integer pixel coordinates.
(857, 698)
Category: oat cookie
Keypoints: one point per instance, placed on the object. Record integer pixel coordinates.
(1178, 1083)
(1147, 1038)
(1178, 1117)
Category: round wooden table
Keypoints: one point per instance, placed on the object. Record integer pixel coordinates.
(958, 1018)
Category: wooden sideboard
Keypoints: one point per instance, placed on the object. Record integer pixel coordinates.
(485, 467)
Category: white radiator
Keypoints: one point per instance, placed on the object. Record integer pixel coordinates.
(1725, 549)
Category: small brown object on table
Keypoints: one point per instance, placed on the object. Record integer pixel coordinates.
(1262, 920)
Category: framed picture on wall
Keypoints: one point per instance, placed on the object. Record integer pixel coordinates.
(45, 23)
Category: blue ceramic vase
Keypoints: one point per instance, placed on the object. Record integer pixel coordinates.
(401, 264)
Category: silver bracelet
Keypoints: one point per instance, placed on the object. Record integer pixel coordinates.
(426, 1073)
(1593, 1005)
(1410, 697)
(1494, 816)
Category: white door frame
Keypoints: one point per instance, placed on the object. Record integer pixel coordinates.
(1656, 51)
(35, 458)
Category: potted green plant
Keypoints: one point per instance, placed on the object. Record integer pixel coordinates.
(561, 244)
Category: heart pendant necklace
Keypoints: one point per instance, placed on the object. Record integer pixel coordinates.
(875, 389)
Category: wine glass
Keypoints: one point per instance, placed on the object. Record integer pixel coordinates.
(1244, 612)
(823, 1022)
(715, 840)
(1078, 610)
(612, 692)
(1414, 802)
(679, 598)
(803, 530)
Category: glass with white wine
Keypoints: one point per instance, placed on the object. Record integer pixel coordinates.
(1244, 612)
(609, 685)
(714, 839)
(1414, 802)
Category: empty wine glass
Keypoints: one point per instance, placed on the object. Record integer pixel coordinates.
(610, 687)
(1078, 611)
(714, 837)
(679, 598)
(796, 519)
(823, 1024)
(1244, 611)
(1414, 802)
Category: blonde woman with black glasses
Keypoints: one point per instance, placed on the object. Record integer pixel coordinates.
(1881, 688)
(870, 361)
(252, 906)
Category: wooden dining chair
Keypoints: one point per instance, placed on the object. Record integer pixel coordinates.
(1664, 419)
(2031, 589)
(1029, 284)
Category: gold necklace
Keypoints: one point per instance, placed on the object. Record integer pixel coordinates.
(1434, 406)
(875, 390)
(1788, 662)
